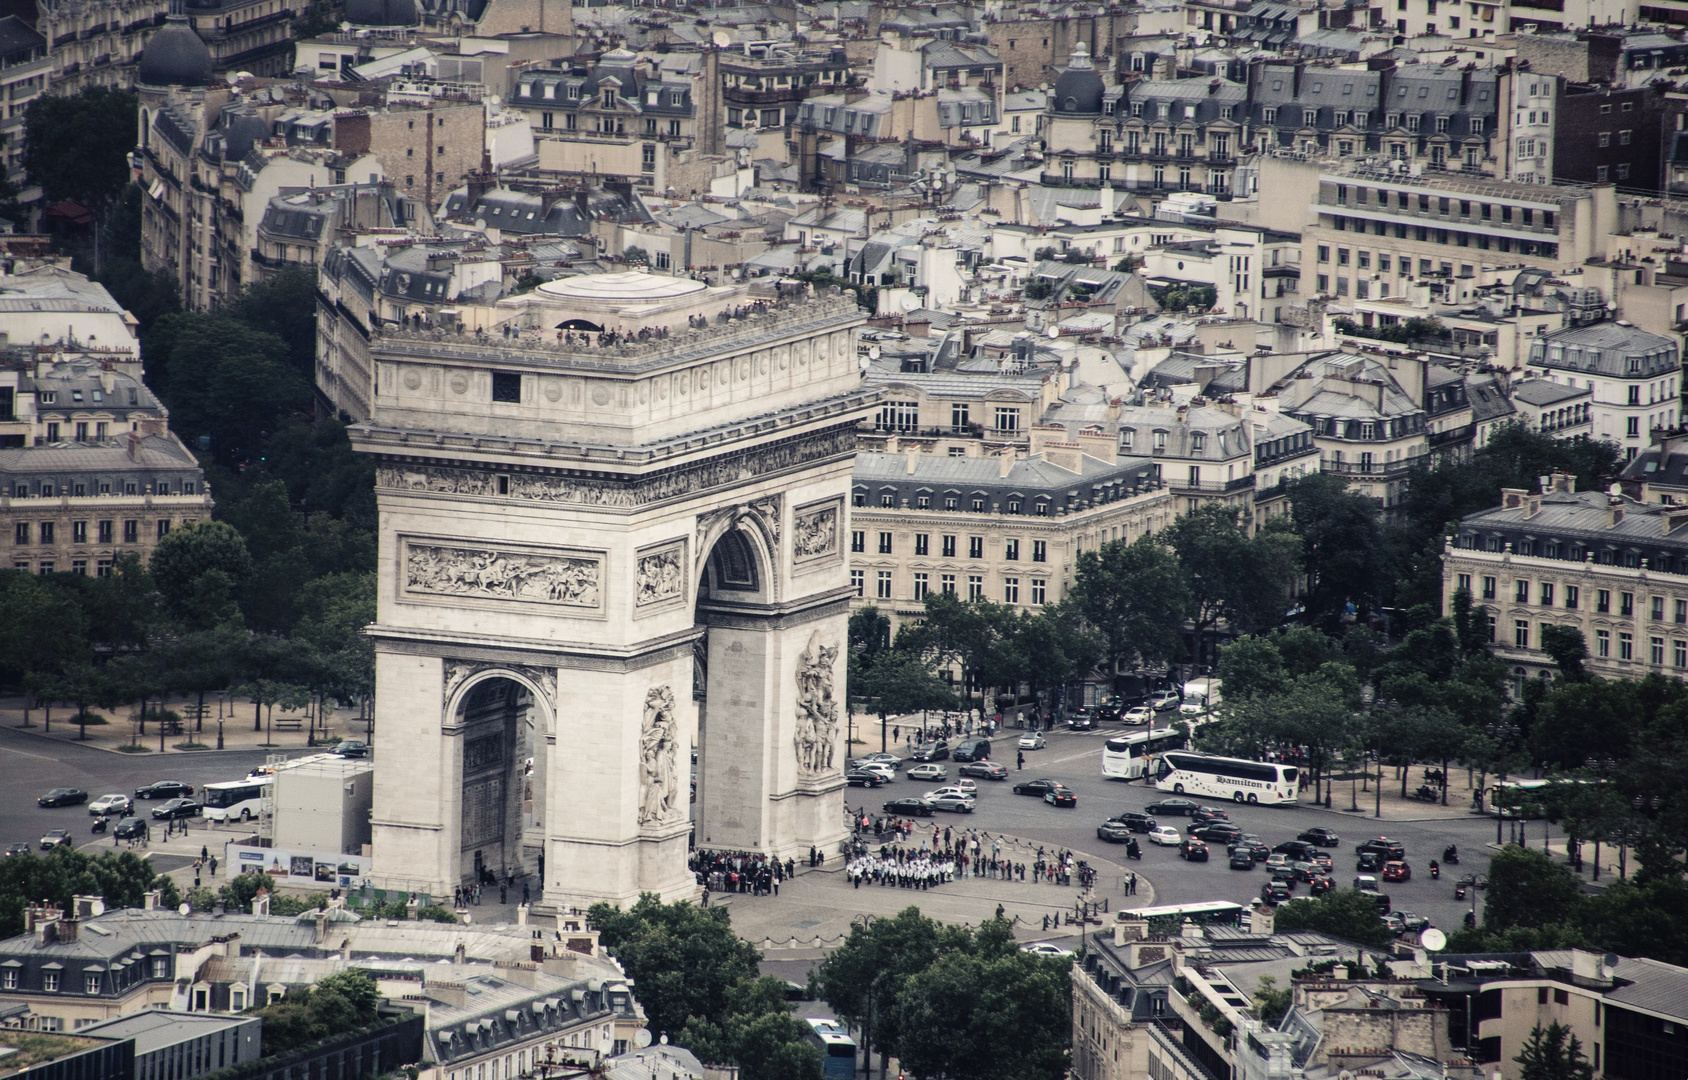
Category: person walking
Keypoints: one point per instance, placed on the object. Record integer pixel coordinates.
(1020, 761)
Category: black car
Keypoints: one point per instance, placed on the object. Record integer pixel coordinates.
(1297, 850)
(1284, 873)
(164, 789)
(19, 848)
(352, 748)
(1039, 788)
(1203, 814)
(1319, 886)
(908, 808)
(932, 751)
(1172, 806)
(1193, 851)
(1140, 823)
(1321, 837)
(1241, 859)
(1109, 711)
(176, 809)
(863, 778)
(1256, 847)
(130, 828)
(1061, 795)
(1114, 832)
(1306, 871)
(63, 796)
(1391, 850)
(1369, 862)
(971, 750)
(1217, 832)
(1081, 720)
(1275, 892)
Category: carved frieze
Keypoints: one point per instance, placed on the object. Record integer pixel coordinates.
(814, 531)
(551, 577)
(722, 471)
(659, 574)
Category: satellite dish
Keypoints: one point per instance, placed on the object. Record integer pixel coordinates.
(1615, 489)
(184, 909)
(722, 39)
(1433, 940)
(642, 1038)
(909, 303)
(1052, 331)
(873, 353)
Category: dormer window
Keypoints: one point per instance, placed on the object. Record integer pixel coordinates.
(609, 97)
(572, 93)
(1198, 442)
(49, 397)
(76, 395)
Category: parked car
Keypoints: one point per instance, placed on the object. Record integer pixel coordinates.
(1114, 832)
(1241, 860)
(106, 805)
(1275, 892)
(1396, 870)
(1032, 741)
(1256, 847)
(932, 751)
(908, 808)
(929, 770)
(164, 789)
(55, 838)
(176, 809)
(1037, 787)
(1391, 850)
(1044, 948)
(892, 760)
(1321, 836)
(1299, 850)
(1135, 822)
(63, 796)
(1061, 795)
(351, 748)
(955, 801)
(990, 770)
(1192, 851)
(1172, 807)
(863, 778)
(971, 750)
(1165, 836)
(1138, 715)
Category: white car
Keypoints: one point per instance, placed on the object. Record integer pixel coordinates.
(1165, 835)
(110, 804)
(1192, 708)
(879, 768)
(1139, 715)
(1044, 948)
(1034, 741)
(967, 786)
(931, 770)
(1167, 699)
(954, 801)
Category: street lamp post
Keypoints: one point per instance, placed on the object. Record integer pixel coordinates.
(1505, 733)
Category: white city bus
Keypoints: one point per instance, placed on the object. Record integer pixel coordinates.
(238, 800)
(1129, 757)
(1187, 772)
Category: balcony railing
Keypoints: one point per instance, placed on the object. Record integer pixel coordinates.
(1215, 486)
(1369, 468)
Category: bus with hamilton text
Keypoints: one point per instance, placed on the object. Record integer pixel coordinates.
(1238, 779)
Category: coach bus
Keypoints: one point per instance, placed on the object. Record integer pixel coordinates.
(1203, 913)
(838, 1050)
(238, 800)
(1130, 757)
(1240, 780)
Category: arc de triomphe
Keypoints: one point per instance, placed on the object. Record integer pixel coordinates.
(594, 557)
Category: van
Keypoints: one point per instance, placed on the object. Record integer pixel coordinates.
(971, 750)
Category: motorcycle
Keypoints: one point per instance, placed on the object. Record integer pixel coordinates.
(1435, 870)
(1132, 850)
(1450, 855)
(100, 825)
(1466, 884)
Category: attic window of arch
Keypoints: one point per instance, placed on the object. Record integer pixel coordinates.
(1072, 104)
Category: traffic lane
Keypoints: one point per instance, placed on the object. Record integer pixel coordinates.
(31, 766)
(1075, 760)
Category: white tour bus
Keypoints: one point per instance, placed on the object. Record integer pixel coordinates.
(1131, 757)
(238, 800)
(1187, 772)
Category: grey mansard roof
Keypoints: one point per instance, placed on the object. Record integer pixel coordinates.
(1605, 348)
(1030, 478)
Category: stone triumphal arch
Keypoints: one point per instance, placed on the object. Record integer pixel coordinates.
(612, 531)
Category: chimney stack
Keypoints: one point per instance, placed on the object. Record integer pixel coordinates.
(1005, 462)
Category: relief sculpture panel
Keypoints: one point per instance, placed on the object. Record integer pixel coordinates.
(526, 575)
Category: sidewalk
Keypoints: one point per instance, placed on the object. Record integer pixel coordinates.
(1393, 806)
(285, 731)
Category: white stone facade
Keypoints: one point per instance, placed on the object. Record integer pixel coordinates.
(595, 525)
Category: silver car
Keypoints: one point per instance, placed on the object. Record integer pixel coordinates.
(953, 801)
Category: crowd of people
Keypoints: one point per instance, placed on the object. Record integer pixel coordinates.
(953, 853)
(740, 872)
(906, 868)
